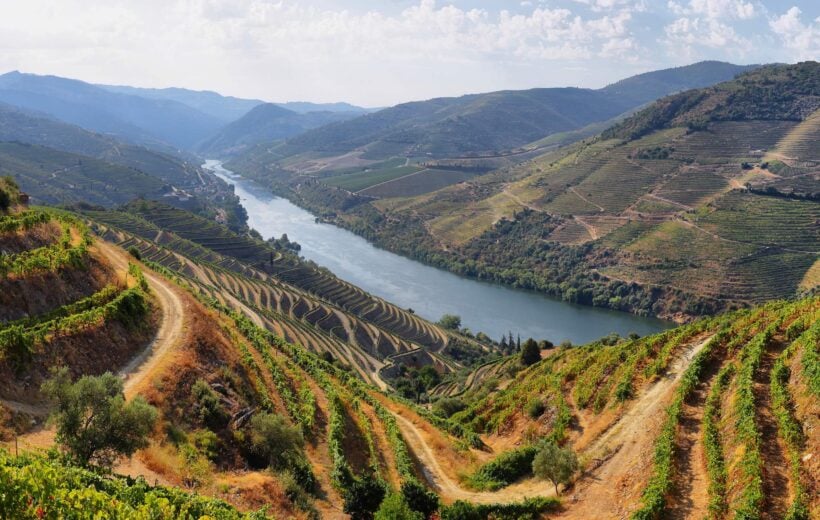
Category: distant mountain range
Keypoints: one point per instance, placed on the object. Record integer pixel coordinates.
(497, 121)
(267, 122)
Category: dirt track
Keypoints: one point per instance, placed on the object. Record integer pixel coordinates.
(630, 439)
(172, 326)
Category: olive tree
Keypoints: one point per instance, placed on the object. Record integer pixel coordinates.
(94, 422)
(555, 464)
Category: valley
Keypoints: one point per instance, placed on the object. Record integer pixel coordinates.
(446, 309)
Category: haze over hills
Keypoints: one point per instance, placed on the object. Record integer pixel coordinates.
(131, 118)
(265, 123)
(227, 108)
(497, 121)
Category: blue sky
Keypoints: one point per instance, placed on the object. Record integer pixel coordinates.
(377, 53)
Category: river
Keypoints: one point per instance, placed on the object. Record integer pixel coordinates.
(429, 291)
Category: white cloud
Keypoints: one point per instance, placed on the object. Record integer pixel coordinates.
(715, 9)
(802, 38)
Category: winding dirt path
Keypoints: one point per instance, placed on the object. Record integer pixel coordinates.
(625, 449)
(172, 328)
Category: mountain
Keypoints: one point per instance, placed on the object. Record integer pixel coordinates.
(114, 172)
(227, 108)
(488, 124)
(135, 119)
(703, 201)
(264, 123)
(304, 107)
(223, 108)
(258, 398)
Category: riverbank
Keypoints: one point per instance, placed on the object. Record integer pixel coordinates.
(429, 291)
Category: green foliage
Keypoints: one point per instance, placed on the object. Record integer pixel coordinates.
(35, 486)
(133, 251)
(419, 498)
(94, 423)
(715, 459)
(504, 469)
(450, 322)
(209, 407)
(530, 353)
(275, 441)
(554, 463)
(50, 257)
(447, 406)
(536, 408)
(363, 497)
(529, 509)
(394, 507)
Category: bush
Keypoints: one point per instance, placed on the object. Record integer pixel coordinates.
(94, 423)
(450, 322)
(447, 406)
(133, 251)
(208, 404)
(529, 509)
(394, 507)
(554, 463)
(363, 497)
(275, 441)
(419, 498)
(504, 469)
(530, 353)
(536, 408)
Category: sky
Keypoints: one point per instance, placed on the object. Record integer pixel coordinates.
(381, 52)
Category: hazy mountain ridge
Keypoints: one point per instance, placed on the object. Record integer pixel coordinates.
(481, 123)
(264, 123)
(132, 118)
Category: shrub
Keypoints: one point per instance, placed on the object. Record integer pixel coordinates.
(447, 406)
(530, 353)
(133, 251)
(394, 507)
(419, 498)
(208, 404)
(450, 322)
(94, 423)
(554, 463)
(504, 469)
(272, 439)
(536, 408)
(363, 497)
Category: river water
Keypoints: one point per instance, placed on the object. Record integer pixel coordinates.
(429, 291)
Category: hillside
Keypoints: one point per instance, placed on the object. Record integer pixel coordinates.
(473, 128)
(150, 122)
(677, 219)
(220, 365)
(265, 123)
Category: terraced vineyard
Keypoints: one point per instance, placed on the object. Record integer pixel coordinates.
(286, 268)
(368, 341)
(735, 394)
(631, 203)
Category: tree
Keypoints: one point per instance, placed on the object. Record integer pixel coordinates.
(394, 507)
(419, 498)
(363, 498)
(450, 322)
(447, 406)
(272, 439)
(94, 422)
(555, 464)
(530, 353)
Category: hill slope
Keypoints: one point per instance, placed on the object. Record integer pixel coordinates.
(218, 362)
(264, 123)
(706, 200)
(135, 119)
(489, 123)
